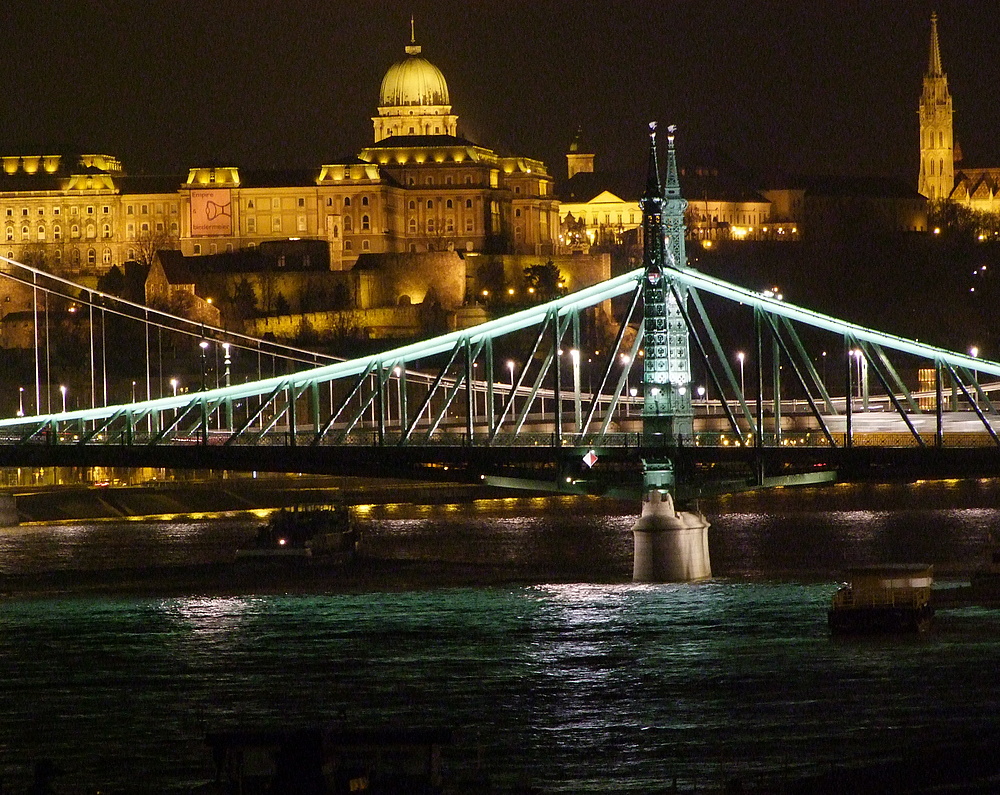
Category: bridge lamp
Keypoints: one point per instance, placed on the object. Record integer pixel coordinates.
(62, 391)
(227, 360)
(204, 364)
(510, 366)
(741, 357)
(701, 394)
(20, 401)
(173, 385)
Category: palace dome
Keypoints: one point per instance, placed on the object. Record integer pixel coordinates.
(413, 81)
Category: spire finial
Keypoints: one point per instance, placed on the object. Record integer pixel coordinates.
(653, 190)
(934, 61)
(412, 48)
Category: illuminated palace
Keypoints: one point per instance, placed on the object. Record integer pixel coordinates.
(942, 175)
(418, 187)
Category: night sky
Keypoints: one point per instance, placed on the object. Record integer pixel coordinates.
(811, 86)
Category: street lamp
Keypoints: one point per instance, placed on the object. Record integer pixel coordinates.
(62, 391)
(204, 364)
(574, 356)
(974, 352)
(741, 357)
(133, 391)
(227, 361)
(510, 366)
(173, 385)
(632, 393)
(20, 401)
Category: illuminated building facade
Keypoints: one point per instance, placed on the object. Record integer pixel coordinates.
(418, 187)
(942, 175)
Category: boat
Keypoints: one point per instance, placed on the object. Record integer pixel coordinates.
(883, 599)
(305, 532)
(985, 584)
(329, 759)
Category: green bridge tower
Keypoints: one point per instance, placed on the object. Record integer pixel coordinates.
(670, 545)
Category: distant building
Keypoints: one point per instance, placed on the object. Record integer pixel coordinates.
(943, 174)
(418, 187)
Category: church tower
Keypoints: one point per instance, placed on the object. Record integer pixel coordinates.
(937, 144)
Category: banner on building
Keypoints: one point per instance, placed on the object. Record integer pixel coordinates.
(211, 213)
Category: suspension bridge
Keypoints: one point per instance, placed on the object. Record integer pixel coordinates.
(660, 378)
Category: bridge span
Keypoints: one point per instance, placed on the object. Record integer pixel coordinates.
(661, 381)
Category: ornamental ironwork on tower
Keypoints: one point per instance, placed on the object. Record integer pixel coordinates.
(667, 366)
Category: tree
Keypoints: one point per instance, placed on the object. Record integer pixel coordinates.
(545, 281)
(148, 242)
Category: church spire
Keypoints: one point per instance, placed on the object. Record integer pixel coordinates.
(937, 142)
(934, 62)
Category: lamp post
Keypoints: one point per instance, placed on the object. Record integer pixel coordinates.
(974, 353)
(574, 356)
(204, 364)
(227, 362)
(20, 401)
(510, 366)
(62, 391)
(741, 357)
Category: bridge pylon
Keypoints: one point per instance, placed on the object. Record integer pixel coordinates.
(669, 545)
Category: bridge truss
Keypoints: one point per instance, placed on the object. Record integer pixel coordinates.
(559, 376)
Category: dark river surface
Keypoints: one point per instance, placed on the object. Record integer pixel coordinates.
(577, 682)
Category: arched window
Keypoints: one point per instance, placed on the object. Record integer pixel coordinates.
(468, 204)
(364, 201)
(413, 225)
(430, 224)
(24, 233)
(91, 231)
(347, 201)
(91, 256)
(106, 231)
(75, 258)
(131, 255)
(430, 205)
(365, 245)
(10, 233)
(347, 223)
(107, 256)
(448, 204)
(365, 223)
(413, 205)
(57, 232)
(41, 232)
(57, 256)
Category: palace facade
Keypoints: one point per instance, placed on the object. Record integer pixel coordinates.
(418, 187)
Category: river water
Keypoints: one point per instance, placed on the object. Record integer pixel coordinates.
(577, 682)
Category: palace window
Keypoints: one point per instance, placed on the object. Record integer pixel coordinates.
(106, 231)
(24, 233)
(364, 201)
(448, 204)
(10, 233)
(347, 201)
(275, 203)
(365, 223)
(301, 224)
(365, 245)
(91, 256)
(412, 205)
(130, 232)
(107, 256)
(129, 210)
(250, 204)
(430, 205)
(301, 202)
(413, 225)
(468, 204)
(276, 223)
(41, 232)
(468, 225)
(252, 226)
(348, 223)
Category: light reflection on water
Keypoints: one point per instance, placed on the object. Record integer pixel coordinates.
(577, 686)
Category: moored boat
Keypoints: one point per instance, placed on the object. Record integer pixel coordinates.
(886, 598)
(304, 533)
